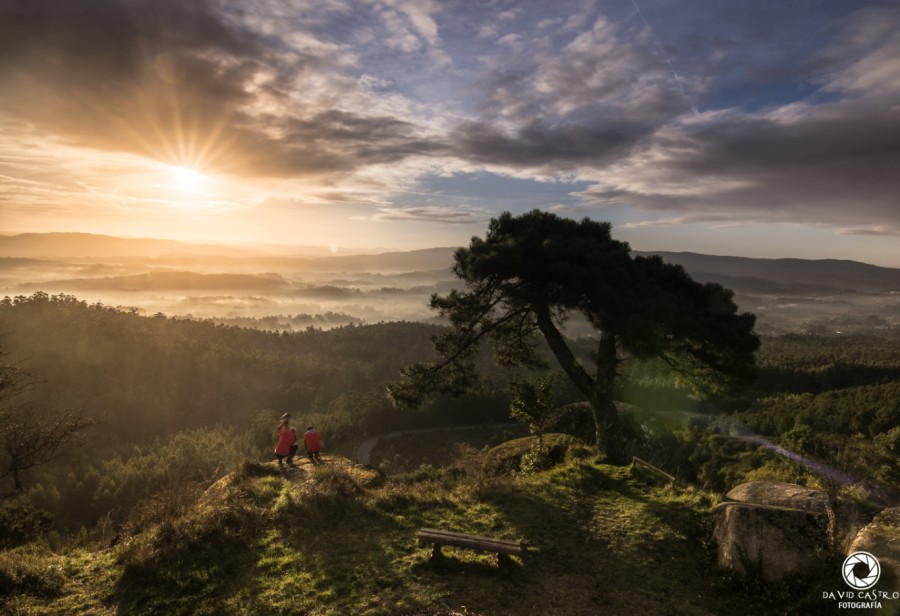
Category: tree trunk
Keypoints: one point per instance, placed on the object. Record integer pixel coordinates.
(606, 416)
(598, 391)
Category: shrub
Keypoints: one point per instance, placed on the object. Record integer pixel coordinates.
(21, 523)
(507, 459)
(535, 460)
(24, 571)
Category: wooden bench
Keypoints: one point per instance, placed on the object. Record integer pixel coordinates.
(438, 538)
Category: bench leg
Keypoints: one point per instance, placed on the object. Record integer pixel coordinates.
(502, 559)
(436, 553)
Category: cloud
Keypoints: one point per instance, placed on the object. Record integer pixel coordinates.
(457, 215)
(513, 40)
(830, 159)
(86, 70)
(587, 105)
(832, 163)
(183, 83)
(363, 99)
(488, 31)
(870, 53)
(417, 13)
(877, 231)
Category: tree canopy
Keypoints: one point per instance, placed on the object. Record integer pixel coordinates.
(532, 272)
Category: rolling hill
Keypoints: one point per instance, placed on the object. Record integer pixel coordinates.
(743, 274)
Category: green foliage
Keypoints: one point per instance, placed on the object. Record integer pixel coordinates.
(189, 400)
(154, 376)
(531, 272)
(887, 446)
(257, 543)
(833, 400)
(21, 523)
(532, 403)
(522, 455)
(535, 460)
(798, 439)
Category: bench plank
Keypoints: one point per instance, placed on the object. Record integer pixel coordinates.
(439, 537)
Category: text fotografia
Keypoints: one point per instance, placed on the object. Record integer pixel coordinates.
(860, 599)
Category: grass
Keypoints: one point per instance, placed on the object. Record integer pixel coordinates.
(338, 540)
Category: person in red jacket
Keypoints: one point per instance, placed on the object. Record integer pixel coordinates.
(294, 447)
(313, 444)
(286, 442)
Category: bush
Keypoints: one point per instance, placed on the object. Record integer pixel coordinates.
(21, 523)
(535, 460)
(507, 459)
(24, 571)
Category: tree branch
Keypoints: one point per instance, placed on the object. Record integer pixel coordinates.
(585, 383)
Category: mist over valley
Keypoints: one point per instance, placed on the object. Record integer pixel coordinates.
(286, 292)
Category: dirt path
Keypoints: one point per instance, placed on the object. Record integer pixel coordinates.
(364, 451)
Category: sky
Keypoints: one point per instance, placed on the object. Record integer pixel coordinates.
(751, 128)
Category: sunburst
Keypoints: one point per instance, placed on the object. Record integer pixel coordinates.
(187, 178)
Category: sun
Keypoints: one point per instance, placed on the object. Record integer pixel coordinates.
(186, 188)
(186, 177)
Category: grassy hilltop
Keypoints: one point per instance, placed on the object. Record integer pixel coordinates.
(340, 539)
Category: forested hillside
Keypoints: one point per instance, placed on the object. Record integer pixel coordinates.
(835, 399)
(177, 403)
(176, 398)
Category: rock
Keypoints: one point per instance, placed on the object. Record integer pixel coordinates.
(848, 517)
(574, 419)
(506, 458)
(776, 494)
(881, 539)
(769, 540)
(773, 529)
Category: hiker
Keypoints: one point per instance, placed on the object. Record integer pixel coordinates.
(313, 444)
(286, 440)
(294, 447)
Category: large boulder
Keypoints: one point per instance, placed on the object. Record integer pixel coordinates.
(506, 458)
(772, 529)
(789, 495)
(574, 419)
(881, 539)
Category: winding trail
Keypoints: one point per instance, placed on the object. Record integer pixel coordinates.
(364, 451)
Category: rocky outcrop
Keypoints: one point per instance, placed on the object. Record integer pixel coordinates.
(881, 539)
(772, 529)
(506, 458)
(789, 495)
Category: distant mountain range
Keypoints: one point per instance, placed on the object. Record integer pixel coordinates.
(90, 245)
(742, 274)
(63, 245)
(782, 276)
